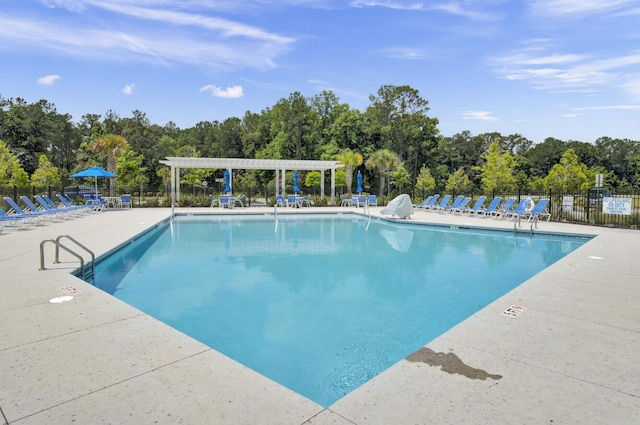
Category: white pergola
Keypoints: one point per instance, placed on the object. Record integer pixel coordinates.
(278, 165)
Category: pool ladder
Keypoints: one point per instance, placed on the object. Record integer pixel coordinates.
(59, 245)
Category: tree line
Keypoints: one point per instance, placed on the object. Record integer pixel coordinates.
(394, 143)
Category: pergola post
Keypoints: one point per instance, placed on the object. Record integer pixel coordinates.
(173, 188)
(333, 186)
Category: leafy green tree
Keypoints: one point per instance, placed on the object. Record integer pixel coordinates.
(129, 168)
(544, 155)
(350, 159)
(312, 180)
(458, 182)
(11, 172)
(425, 182)
(567, 176)
(46, 174)
(400, 177)
(382, 161)
(497, 172)
(110, 146)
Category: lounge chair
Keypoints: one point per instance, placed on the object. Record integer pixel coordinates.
(519, 211)
(431, 203)
(443, 202)
(504, 209)
(491, 208)
(15, 220)
(353, 202)
(362, 200)
(94, 203)
(461, 206)
(225, 201)
(68, 203)
(373, 201)
(538, 211)
(294, 201)
(238, 200)
(424, 203)
(45, 206)
(126, 201)
(476, 207)
(47, 213)
(47, 203)
(343, 201)
(37, 218)
(306, 201)
(279, 200)
(454, 204)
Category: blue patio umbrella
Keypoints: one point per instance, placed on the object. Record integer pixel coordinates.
(227, 181)
(296, 189)
(94, 172)
(359, 182)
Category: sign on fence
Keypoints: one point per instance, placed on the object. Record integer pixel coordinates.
(616, 206)
(567, 203)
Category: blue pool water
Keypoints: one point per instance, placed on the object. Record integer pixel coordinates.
(322, 303)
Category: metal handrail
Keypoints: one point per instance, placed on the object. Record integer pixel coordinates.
(59, 245)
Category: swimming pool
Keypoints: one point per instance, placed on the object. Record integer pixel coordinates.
(322, 303)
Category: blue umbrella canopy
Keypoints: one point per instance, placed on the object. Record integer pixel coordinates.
(94, 172)
(296, 189)
(359, 177)
(227, 181)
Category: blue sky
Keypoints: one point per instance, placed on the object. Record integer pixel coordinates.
(568, 69)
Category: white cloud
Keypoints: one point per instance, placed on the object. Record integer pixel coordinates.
(404, 53)
(570, 72)
(146, 34)
(128, 89)
(48, 80)
(579, 8)
(478, 115)
(232, 92)
(609, 108)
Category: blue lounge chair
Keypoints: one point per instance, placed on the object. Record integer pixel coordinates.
(432, 203)
(47, 213)
(362, 200)
(225, 201)
(519, 211)
(476, 207)
(373, 201)
(279, 200)
(126, 201)
(461, 206)
(37, 218)
(444, 201)
(306, 201)
(343, 201)
(15, 220)
(353, 202)
(424, 203)
(454, 204)
(493, 207)
(538, 211)
(506, 207)
(45, 206)
(68, 203)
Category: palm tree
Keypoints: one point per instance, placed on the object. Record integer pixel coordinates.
(383, 161)
(350, 159)
(110, 146)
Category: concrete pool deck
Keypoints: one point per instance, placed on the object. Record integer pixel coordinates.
(570, 358)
